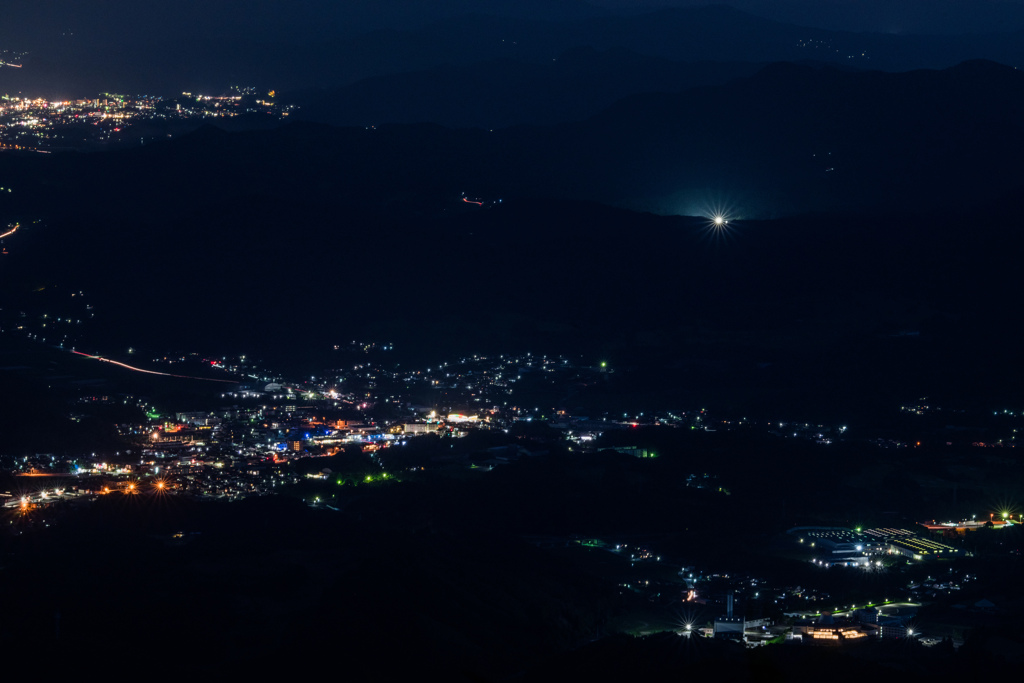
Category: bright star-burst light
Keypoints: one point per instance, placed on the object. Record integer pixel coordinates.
(718, 227)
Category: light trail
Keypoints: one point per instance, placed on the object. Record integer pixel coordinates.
(11, 231)
(470, 201)
(152, 372)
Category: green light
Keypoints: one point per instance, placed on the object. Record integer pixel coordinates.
(604, 364)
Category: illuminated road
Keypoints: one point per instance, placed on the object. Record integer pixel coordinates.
(11, 231)
(879, 606)
(152, 372)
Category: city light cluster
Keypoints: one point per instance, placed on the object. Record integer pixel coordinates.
(41, 125)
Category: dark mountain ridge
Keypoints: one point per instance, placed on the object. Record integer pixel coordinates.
(790, 139)
(796, 138)
(159, 62)
(506, 92)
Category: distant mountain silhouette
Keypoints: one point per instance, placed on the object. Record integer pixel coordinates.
(194, 57)
(501, 93)
(790, 139)
(942, 17)
(795, 138)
